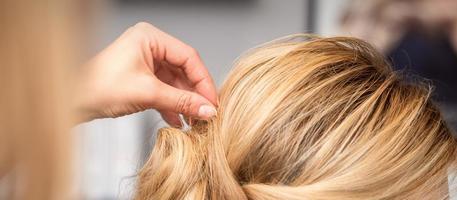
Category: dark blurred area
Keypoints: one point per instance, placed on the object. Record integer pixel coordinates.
(430, 56)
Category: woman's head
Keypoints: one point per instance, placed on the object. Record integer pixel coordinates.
(308, 118)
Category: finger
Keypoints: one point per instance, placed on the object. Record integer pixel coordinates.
(171, 99)
(185, 57)
(171, 118)
(167, 48)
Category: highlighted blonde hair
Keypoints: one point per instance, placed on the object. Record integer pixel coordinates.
(308, 118)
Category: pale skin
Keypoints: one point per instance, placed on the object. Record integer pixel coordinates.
(146, 68)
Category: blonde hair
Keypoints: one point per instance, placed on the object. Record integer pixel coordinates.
(308, 118)
(36, 53)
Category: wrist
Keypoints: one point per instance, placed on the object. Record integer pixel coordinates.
(86, 106)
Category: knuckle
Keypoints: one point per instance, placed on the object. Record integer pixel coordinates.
(142, 25)
(141, 28)
(193, 52)
(139, 32)
(183, 105)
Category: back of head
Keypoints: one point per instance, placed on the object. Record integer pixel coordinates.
(308, 118)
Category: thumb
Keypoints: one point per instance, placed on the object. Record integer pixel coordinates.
(188, 103)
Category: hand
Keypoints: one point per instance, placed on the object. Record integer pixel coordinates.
(146, 68)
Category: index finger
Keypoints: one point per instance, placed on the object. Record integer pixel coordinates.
(167, 48)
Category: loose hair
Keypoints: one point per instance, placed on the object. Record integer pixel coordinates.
(305, 117)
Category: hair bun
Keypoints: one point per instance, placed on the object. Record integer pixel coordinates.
(175, 168)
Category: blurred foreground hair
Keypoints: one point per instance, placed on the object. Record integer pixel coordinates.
(308, 118)
(37, 53)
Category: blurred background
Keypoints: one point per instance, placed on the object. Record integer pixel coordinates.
(417, 36)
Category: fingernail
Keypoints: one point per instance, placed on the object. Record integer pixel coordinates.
(206, 112)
